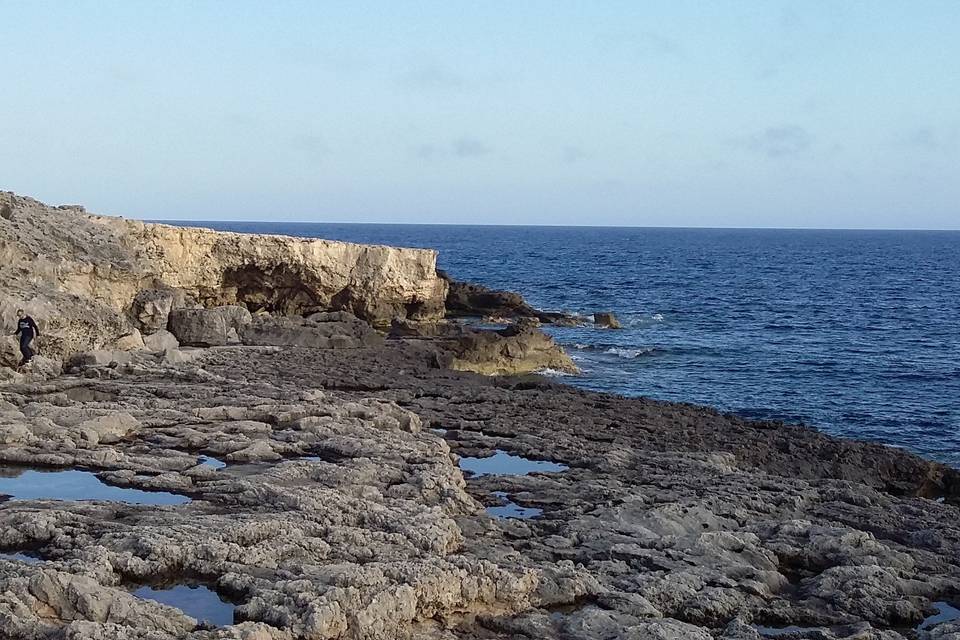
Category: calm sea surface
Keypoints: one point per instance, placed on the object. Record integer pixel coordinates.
(854, 332)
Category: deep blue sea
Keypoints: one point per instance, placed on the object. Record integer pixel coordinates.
(854, 332)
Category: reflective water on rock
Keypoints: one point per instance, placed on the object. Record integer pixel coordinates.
(196, 601)
(512, 509)
(20, 557)
(213, 463)
(503, 464)
(945, 613)
(31, 484)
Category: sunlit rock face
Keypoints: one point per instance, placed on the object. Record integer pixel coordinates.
(88, 280)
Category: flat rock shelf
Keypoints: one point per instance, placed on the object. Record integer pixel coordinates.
(541, 512)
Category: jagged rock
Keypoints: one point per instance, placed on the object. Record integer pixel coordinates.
(130, 342)
(151, 308)
(93, 277)
(607, 320)
(198, 327)
(160, 340)
(466, 299)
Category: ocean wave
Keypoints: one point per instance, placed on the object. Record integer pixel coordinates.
(624, 352)
(553, 373)
(620, 351)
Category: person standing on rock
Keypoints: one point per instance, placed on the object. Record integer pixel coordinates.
(27, 329)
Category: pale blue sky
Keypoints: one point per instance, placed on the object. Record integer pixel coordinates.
(727, 113)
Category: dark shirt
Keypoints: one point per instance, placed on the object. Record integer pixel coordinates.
(27, 328)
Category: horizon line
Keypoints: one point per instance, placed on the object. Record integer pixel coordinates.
(553, 226)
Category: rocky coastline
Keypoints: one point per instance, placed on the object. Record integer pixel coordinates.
(304, 430)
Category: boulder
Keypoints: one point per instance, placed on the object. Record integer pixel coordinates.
(100, 358)
(160, 341)
(131, 342)
(151, 308)
(199, 327)
(607, 320)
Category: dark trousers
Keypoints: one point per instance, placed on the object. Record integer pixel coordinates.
(25, 349)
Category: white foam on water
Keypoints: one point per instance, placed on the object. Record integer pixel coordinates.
(553, 373)
(629, 353)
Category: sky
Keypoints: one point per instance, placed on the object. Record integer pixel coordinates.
(722, 113)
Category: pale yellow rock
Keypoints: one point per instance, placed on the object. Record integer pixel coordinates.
(78, 274)
(133, 341)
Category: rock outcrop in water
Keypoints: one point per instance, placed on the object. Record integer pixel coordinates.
(90, 280)
(470, 300)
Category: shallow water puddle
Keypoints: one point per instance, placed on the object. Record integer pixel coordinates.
(503, 464)
(512, 509)
(21, 557)
(196, 601)
(213, 463)
(31, 484)
(945, 613)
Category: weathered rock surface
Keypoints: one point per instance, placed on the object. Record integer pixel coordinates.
(160, 341)
(337, 330)
(88, 280)
(199, 327)
(467, 299)
(341, 515)
(607, 320)
(511, 351)
(518, 349)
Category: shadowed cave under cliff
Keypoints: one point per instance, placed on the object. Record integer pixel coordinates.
(277, 290)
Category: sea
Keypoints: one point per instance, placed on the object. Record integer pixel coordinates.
(855, 333)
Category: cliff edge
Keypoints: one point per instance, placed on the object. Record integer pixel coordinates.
(79, 274)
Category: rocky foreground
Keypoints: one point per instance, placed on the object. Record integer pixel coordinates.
(341, 513)
(339, 508)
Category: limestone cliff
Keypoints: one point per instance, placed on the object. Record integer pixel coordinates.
(78, 274)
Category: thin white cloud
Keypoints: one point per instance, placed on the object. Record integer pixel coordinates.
(777, 142)
(431, 77)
